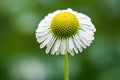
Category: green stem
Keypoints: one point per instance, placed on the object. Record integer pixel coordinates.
(66, 70)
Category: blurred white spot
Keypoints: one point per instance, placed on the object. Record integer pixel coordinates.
(17, 6)
(26, 22)
(29, 70)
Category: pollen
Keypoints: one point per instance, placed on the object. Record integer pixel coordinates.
(64, 25)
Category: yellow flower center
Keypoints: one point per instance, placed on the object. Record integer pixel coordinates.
(64, 25)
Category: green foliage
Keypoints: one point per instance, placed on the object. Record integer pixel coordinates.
(22, 59)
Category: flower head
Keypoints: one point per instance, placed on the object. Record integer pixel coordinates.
(64, 24)
(65, 31)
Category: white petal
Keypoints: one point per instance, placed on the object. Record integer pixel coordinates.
(88, 31)
(72, 53)
(69, 9)
(88, 26)
(77, 44)
(87, 22)
(92, 28)
(46, 41)
(80, 42)
(49, 16)
(43, 32)
(76, 50)
(45, 21)
(50, 44)
(43, 25)
(41, 29)
(57, 53)
(56, 46)
(85, 41)
(71, 45)
(74, 46)
(42, 38)
(86, 35)
(63, 46)
(67, 44)
(82, 16)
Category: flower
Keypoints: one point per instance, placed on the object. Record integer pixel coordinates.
(65, 31)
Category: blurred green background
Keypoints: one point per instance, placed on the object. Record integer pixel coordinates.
(22, 59)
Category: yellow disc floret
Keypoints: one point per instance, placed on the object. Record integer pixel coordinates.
(64, 25)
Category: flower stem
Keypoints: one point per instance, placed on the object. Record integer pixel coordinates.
(66, 69)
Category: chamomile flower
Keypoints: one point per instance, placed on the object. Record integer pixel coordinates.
(65, 31)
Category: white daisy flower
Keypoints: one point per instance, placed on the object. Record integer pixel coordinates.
(65, 31)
